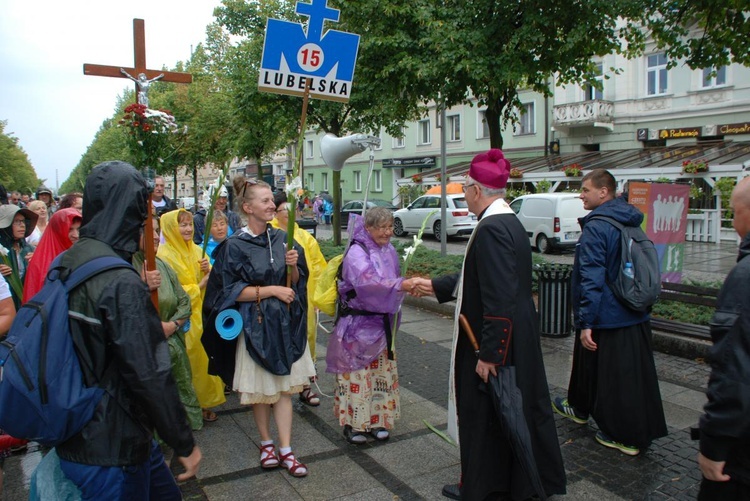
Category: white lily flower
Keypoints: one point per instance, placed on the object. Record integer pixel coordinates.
(3, 251)
(409, 251)
(417, 242)
(291, 188)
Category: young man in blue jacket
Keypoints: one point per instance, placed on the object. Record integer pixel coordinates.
(614, 377)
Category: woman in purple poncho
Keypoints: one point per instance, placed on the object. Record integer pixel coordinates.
(370, 293)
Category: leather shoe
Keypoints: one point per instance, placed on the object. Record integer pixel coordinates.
(452, 491)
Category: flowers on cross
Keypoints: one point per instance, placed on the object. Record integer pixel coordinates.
(416, 178)
(14, 281)
(573, 170)
(149, 133)
(694, 166)
(516, 173)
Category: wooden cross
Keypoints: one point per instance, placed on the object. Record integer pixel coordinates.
(139, 50)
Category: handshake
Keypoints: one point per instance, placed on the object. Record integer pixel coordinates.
(418, 287)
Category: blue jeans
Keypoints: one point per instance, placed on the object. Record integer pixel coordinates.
(150, 480)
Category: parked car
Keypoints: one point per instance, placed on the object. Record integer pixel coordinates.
(355, 207)
(459, 220)
(550, 219)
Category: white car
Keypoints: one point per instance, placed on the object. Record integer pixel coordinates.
(459, 220)
(550, 219)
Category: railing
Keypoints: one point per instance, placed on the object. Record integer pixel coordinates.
(584, 112)
(703, 227)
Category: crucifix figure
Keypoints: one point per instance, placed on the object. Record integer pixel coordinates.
(142, 84)
(145, 77)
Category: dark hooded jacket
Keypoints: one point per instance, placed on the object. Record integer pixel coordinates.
(725, 427)
(597, 262)
(277, 341)
(115, 326)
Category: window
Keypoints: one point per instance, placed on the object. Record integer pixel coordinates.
(309, 148)
(454, 127)
(400, 142)
(484, 127)
(311, 182)
(590, 91)
(526, 121)
(377, 174)
(424, 132)
(357, 180)
(717, 80)
(324, 176)
(656, 74)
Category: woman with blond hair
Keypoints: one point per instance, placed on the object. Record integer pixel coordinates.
(255, 274)
(40, 209)
(187, 261)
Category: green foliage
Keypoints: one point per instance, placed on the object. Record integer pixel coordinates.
(683, 312)
(409, 193)
(723, 187)
(698, 34)
(511, 192)
(16, 171)
(543, 186)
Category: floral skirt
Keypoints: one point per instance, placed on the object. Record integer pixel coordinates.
(368, 398)
(258, 386)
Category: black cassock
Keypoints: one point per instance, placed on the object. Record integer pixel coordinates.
(497, 301)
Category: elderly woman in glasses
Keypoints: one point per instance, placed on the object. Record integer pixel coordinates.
(359, 349)
(265, 282)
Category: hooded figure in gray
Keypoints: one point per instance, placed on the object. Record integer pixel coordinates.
(117, 333)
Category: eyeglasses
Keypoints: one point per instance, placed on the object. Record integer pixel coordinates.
(385, 229)
(467, 186)
(19, 222)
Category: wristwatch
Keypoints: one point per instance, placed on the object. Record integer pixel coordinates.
(177, 326)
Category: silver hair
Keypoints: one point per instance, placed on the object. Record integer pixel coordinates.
(378, 216)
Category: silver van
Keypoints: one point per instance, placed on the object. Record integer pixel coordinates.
(550, 219)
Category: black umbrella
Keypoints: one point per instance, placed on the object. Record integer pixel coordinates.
(326, 196)
(508, 403)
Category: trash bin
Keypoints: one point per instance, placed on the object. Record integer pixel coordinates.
(309, 225)
(555, 299)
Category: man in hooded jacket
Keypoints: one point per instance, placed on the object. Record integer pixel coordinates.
(613, 378)
(119, 339)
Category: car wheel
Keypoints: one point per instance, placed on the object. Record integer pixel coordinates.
(398, 228)
(542, 244)
(436, 230)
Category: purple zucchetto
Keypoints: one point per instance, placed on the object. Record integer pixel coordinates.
(490, 169)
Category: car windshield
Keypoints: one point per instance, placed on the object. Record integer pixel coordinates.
(378, 203)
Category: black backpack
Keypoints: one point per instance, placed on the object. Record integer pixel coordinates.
(42, 394)
(641, 291)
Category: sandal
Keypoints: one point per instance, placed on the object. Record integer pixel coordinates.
(290, 463)
(309, 397)
(209, 416)
(380, 434)
(268, 458)
(354, 437)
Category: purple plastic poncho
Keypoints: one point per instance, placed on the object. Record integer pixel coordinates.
(374, 274)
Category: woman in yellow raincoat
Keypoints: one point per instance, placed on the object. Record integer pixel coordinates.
(192, 268)
(316, 263)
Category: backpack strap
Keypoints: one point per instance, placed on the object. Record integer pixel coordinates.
(93, 267)
(614, 222)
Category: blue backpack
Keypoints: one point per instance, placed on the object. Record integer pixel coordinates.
(42, 394)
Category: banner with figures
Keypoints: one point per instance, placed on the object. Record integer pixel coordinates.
(293, 58)
(665, 208)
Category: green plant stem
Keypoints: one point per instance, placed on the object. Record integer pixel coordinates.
(210, 210)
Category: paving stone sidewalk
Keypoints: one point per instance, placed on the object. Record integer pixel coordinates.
(415, 462)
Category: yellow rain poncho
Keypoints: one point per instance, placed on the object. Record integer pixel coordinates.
(316, 263)
(184, 258)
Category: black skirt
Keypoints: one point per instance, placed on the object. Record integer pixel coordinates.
(617, 385)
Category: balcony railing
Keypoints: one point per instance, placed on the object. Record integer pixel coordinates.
(592, 112)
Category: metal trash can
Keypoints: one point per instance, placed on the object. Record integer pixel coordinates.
(555, 299)
(308, 224)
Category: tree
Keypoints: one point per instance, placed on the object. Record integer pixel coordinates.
(16, 171)
(492, 49)
(702, 33)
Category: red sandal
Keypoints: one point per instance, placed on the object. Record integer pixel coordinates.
(268, 458)
(293, 466)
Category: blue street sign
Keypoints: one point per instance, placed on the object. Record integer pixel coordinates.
(291, 57)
